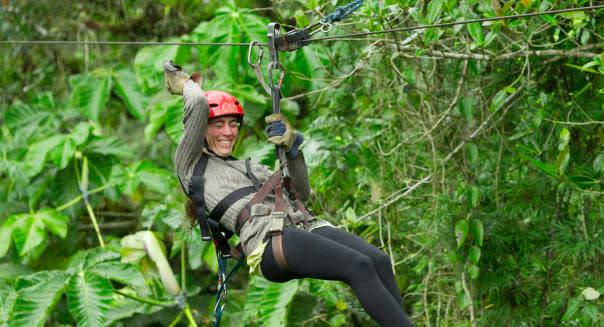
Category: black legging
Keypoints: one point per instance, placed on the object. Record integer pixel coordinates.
(333, 254)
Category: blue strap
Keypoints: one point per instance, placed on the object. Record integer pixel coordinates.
(342, 12)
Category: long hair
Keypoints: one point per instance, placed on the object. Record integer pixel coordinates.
(191, 216)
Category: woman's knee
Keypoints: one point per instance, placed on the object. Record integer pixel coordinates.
(381, 260)
(362, 266)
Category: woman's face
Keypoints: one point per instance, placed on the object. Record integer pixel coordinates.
(221, 134)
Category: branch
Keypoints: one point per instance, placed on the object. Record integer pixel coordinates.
(506, 105)
(576, 53)
(115, 225)
(409, 190)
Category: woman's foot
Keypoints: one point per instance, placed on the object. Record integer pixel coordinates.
(175, 78)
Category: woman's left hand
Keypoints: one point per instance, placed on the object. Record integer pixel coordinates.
(280, 133)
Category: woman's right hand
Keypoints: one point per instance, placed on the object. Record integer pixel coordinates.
(175, 78)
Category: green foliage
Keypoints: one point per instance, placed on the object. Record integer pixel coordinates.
(267, 303)
(472, 155)
(37, 294)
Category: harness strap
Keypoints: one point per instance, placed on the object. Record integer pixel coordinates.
(277, 233)
(266, 188)
(227, 201)
(210, 226)
(250, 175)
(196, 193)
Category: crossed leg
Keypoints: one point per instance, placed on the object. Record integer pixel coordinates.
(317, 255)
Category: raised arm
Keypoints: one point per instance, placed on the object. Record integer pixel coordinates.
(195, 120)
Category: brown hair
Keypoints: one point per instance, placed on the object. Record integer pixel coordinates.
(191, 215)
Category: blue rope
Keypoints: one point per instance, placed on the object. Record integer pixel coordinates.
(342, 12)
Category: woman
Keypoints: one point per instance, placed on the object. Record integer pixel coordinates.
(312, 249)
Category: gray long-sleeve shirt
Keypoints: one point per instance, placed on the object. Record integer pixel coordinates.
(225, 176)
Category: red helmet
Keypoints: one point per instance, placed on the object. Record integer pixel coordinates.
(223, 104)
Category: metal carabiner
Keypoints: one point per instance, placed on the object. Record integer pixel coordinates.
(249, 54)
(256, 66)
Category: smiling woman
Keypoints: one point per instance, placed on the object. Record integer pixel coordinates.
(277, 232)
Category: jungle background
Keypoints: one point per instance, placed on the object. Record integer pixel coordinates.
(472, 155)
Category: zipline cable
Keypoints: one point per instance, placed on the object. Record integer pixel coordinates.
(327, 38)
(55, 42)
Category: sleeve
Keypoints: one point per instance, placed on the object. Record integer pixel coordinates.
(195, 121)
(299, 175)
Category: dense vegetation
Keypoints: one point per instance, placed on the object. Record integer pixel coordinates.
(472, 155)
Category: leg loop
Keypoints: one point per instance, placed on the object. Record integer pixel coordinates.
(276, 233)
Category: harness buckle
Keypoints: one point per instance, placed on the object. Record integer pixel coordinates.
(278, 218)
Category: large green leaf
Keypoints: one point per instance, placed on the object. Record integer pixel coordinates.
(54, 220)
(36, 296)
(126, 87)
(11, 271)
(6, 233)
(8, 296)
(98, 255)
(80, 133)
(89, 94)
(89, 297)
(156, 178)
(28, 233)
(125, 273)
(109, 146)
(269, 302)
(25, 118)
(28, 229)
(149, 67)
(230, 24)
(37, 154)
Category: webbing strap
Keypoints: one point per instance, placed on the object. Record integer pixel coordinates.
(250, 175)
(264, 190)
(277, 236)
(220, 241)
(196, 193)
(228, 201)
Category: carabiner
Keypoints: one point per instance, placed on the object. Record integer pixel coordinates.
(249, 54)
